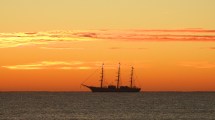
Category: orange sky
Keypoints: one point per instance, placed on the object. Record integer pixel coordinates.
(61, 60)
(56, 47)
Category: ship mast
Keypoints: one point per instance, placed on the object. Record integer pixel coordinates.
(118, 77)
(102, 75)
(132, 72)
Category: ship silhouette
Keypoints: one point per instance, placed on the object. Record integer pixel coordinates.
(113, 88)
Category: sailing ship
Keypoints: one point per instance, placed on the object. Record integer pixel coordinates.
(113, 88)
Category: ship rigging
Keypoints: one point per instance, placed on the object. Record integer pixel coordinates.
(112, 88)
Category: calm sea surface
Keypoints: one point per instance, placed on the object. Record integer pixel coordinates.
(106, 106)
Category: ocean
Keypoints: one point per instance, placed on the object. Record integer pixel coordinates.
(107, 106)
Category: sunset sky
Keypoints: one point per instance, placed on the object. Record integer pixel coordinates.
(55, 45)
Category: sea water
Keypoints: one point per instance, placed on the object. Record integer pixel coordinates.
(107, 106)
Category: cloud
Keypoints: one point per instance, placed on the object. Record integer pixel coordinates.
(50, 65)
(118, 48)
(212, 48)
(115, 48)
(199, 64)
(199, 30)
(161, 35)
(8, 40)
(86, 34)
(70, 65)
(31, 33)
(61, 48)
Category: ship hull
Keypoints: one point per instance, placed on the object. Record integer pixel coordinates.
(99, 89)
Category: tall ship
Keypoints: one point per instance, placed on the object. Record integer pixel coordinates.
(113, 88)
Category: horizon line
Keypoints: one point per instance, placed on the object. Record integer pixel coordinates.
(170, 91)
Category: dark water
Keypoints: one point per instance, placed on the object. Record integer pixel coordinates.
(107, 106)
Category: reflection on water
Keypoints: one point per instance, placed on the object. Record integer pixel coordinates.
(84, 106)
